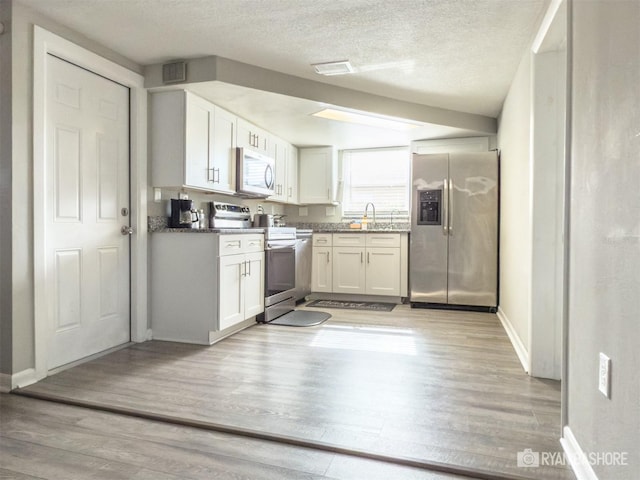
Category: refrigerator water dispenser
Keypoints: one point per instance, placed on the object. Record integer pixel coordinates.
(429, 207)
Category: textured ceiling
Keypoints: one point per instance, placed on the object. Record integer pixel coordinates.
(455, 54)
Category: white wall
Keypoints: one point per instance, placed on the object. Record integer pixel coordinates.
(604, 289)
(515, 205)
(22, 321)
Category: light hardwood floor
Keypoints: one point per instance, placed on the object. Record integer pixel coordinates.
(420, 385)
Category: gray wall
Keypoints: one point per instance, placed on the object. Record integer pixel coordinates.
(5, 189)
(604, 290)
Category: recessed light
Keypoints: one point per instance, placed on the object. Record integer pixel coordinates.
(366, 118)
(333, 68)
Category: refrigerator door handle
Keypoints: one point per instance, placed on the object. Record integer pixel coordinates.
(445, 208)
(450, 207)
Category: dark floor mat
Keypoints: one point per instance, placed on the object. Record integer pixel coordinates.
(374, 306)
(301, 318)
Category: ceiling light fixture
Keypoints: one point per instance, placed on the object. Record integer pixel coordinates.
(333, 68)
(366, 118)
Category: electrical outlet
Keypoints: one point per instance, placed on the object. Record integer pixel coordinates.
(157, 195)
(604, 382)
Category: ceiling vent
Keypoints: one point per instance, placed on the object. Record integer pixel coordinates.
(333, 68)
(174, 72)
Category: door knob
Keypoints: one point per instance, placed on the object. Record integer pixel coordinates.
(126, 230)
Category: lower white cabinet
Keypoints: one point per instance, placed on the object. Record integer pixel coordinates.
(205, 286)
(241, 288)
(363, 264)
(321, 270)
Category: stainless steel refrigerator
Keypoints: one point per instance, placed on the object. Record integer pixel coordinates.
(454, 230)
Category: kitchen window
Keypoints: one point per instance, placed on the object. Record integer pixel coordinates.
(380, 176)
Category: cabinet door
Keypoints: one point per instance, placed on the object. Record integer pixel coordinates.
(254, 284)
(383, 271)
(282, 154)
(223, 153)
(199, 123)
(321, 280)
(231, 291)
(255, 138)
(292, 175)
(317, 175)
(245, 136)
(348, 270)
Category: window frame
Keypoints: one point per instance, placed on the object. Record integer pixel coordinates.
(352, 214)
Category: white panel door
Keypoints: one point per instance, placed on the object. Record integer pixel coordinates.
(87, 183)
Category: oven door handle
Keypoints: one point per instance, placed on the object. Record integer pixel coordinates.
(281, 246)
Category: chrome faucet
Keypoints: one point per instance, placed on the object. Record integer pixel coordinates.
(366, 209)
(395, 210)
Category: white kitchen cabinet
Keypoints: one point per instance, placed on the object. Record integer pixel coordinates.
(282, 160)
(382, 271)
(321, 269)
(255, 138)
(241, 288)
(321, 264)
(318, 175)
(348, 270)
(362, 263)
(286, 172)
(222, 171)
(292, 175)
(205, 286)
(192, 143)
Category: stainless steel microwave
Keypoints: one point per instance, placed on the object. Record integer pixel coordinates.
(255, 173)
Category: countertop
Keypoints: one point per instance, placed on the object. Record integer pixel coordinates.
(209, 230)
(357, 230)
(159, 225)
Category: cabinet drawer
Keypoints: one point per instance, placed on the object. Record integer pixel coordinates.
(233, 244)
(349, 239)
(383, 240)
(253, 243)
(322, 239)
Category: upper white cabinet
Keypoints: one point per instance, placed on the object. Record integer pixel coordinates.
(192, 143)
(286, 178)
(282, 151)
(318, 175)
(250, 136)
(292, 175)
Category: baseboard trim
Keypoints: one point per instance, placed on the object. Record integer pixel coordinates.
(576, 456)
(518, 346)
(24, 378)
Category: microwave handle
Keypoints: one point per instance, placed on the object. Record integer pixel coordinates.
(268, 176)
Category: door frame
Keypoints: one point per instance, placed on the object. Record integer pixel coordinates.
(44, 43)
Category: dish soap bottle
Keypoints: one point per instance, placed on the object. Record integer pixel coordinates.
(363, 225)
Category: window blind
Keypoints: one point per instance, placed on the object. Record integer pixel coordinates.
(380, 176)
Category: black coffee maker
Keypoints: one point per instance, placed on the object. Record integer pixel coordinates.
(183, 214)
